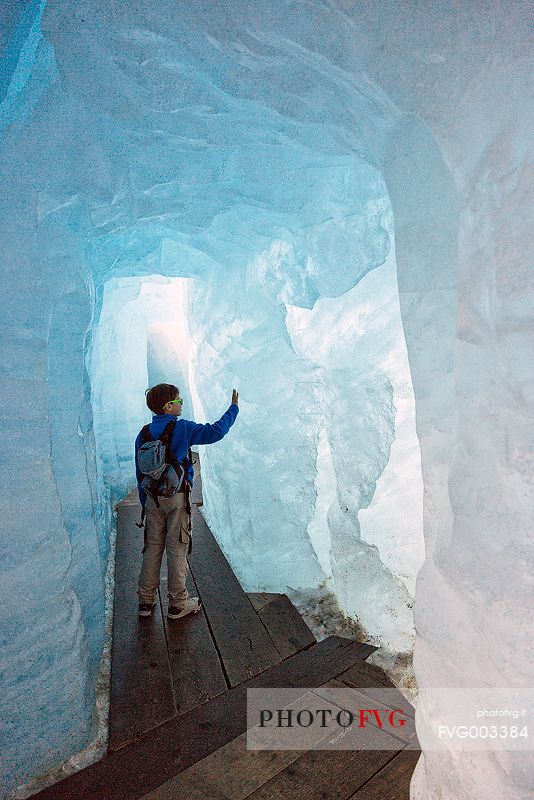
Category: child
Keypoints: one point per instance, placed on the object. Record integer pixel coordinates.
(168, 526)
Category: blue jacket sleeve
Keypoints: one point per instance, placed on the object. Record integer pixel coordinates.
(142, 494)
(213, 432)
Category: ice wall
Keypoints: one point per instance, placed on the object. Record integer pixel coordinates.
(215, 144)
(366, 398)
(53, 545)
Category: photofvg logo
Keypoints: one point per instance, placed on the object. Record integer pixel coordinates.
(329, 718)
(336, 717)
(344, 717)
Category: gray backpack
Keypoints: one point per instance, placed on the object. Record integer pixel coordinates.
(163, 474)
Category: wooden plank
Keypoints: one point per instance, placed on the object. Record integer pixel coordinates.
(260, 599)
(141, 694)
(350, 697)
(371, 677)
(366, 675)
(393, 780)
(141, 685)
(286, 627)
(233, 771)
(244, 644)
(129, 543)
(325, 775)
(173, 747)
(366, 650)
(195, 665)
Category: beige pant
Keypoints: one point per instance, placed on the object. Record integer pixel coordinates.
(166, 527)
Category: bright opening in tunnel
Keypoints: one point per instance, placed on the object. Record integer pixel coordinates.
(141, 338)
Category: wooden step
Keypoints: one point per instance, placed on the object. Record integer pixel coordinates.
(142, 766)
(262, 599)
(325, 775)
(286, 627)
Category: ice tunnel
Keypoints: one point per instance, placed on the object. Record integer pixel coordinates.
(323, 204)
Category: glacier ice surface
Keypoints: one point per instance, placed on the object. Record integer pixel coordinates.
(332, 216)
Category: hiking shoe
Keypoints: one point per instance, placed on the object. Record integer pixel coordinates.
(192, 605)
(145, 609)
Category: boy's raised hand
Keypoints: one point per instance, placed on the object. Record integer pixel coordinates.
(235, 397)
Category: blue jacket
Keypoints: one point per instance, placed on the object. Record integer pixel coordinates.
(186, 433)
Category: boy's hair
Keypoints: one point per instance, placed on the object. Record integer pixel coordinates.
(157, 396)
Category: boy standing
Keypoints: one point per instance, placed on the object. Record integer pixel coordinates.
(168, 526)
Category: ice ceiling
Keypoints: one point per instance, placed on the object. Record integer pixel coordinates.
(308, 201)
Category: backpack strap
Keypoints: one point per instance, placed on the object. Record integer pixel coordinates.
(166, 439)
(145, 434)
(169, 456)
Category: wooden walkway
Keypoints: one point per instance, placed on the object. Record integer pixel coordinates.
(177, 725)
